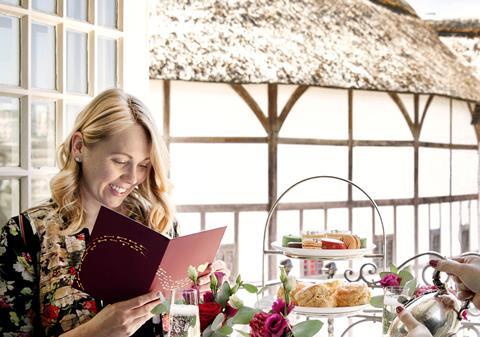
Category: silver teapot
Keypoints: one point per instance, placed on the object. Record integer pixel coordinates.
(441, 321)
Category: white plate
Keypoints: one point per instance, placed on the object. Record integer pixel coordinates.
(330, 312)
(326, 254)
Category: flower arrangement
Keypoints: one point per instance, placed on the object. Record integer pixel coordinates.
(220, 309)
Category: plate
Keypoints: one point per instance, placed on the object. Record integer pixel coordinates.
(325, 254)
(329, 312)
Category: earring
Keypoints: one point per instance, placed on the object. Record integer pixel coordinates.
(78, 160)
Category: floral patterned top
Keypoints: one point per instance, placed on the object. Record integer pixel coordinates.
(37, 270)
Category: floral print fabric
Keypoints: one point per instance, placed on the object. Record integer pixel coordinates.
(26, 274)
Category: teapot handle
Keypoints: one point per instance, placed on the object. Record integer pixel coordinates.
(442, 289)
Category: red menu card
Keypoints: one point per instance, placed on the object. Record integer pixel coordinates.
(124, 259)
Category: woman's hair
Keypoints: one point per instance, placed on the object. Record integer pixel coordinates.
(111, 112)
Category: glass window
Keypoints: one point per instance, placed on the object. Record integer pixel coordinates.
(10, 55)
(220, 174)
(48, 6)
(464, 171)
(436, 126)
(40, 189)
(215, 220)
(9, 132)
(43, 134)
(106, 63)
(11, 2)
(9, 199)
(107, 13)
(433, 172)
(77, 62)
(463, 132)
(71, 112)
(43, 56)
(77, 9)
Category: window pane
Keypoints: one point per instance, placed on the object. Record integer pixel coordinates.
(40, 189)
(11, 2)
(77, 62)
(463, 132)
(49, 6)
(464, 171)
(77, 9)
(9, 132)
(71, 112)
(43, 134)
(9, 199)
(106, 63)
(436, 126)
(107, 13)
(433, 172)
(10, 55)
(43, 56)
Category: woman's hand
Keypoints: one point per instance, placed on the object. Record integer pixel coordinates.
(414, 327)
(466, 273)
(218, 267)
(120, 319)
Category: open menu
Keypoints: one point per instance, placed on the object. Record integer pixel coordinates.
(124, 259)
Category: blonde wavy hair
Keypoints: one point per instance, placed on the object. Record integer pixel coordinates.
(111, 112)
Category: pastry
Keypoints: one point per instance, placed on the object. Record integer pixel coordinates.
(333, 284)
(290, 238)
(352, 294)
(295, 245)
(328, 243)
(299, 286)
(313, 240)
(315, 295)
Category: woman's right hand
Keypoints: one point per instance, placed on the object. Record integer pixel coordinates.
(414, 327)
(466, 273)
(120, 319)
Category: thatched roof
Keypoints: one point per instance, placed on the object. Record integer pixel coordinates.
(331, 43)
(399, 6)
(463, 39)
(460, 27)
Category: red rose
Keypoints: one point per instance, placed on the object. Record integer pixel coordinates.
(208, 312)
(50, 312)
(90, 306)
(257, 324)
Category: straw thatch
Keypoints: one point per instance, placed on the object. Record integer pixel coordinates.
(399, 6)
(331, 43)
(463, 39)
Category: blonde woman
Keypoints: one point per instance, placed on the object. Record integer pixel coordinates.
(113, 157)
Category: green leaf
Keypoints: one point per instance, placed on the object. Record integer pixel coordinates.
(393, 269)
(384, 273)
(406, 276)
(239, 279)
(407, 268)
(250, 288)
(223, 294)
(217, 322)
(192, 274)
(225, 330)
(307, 328)
(244, 315)
(162, 308)
(410, 287)
(262, 289)
(243, 333)
(377, 301)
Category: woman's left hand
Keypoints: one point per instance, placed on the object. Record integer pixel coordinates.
(219, 268)
(414, 327)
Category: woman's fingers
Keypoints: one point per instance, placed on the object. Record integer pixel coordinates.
(407, 318)
(141, 300)
(448, 266)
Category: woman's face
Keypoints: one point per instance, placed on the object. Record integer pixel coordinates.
(113, 167)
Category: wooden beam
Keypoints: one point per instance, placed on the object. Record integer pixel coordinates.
(166, 113)
(425, 109)
(243, 93)
(204, 140)
(403, 110)
(299, 91)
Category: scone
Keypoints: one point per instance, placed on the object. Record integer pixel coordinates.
(352, 294)
(332, 285)
(315, 295)
(299, 286)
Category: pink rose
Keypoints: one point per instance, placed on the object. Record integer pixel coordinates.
(275, 326)
(208, 297)
(257, 324)
(424, 289)
(279, 306)
(390, 280)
